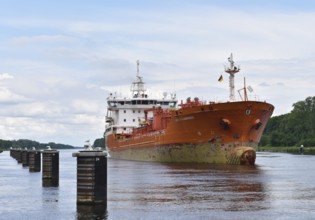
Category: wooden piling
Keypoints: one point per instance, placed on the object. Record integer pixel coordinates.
(50, 175)
(19, 156)
(34, 158)
(91, 177)
(25, 159)
(13, 153)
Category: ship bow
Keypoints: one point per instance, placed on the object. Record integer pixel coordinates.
(243, 156)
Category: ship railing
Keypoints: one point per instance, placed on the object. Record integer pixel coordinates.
(192, 103)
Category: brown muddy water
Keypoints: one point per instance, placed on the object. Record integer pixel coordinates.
(280, 186)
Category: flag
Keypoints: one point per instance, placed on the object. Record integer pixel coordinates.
(250, 89)
(221, 78)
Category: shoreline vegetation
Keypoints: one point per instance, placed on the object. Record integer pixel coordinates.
(29, 144)
(292, 150)
(286, 133)
(292, 129)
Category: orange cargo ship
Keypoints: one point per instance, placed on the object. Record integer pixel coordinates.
(145, 129)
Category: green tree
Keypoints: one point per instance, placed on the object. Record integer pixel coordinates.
(99, 143)
(294, 128)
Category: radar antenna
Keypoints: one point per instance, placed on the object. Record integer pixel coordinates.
(232, 69)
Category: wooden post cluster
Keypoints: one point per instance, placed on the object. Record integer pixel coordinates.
(32, 158)
(91, 174)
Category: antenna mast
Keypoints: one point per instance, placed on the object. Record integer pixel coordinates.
(232, 70)
(138, 63)
(137, 87)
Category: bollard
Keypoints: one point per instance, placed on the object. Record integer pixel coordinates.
(50, 175)
(34, 160)
(91, 177)
(25, 157)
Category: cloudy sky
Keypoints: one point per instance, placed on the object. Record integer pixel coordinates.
(60, 59)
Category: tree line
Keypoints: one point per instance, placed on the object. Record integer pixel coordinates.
(292, 129)
(99, 143)
(29, 144)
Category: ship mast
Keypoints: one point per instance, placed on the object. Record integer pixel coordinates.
(232, 70)
(137, 87)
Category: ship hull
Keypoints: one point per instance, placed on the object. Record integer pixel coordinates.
(200, 153)
(214, 133)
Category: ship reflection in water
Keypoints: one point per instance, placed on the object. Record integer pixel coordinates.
(191, 188)
(279, 186)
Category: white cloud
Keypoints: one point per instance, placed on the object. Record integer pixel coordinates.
(4, 76)
(64, 67)
(87, 106)
(24, 127)
(9, 97)
(84, 119)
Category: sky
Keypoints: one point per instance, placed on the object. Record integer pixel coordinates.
(60, 60)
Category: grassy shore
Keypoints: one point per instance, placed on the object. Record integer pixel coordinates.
(294, 150)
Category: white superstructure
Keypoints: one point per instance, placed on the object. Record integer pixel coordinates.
(124, 114)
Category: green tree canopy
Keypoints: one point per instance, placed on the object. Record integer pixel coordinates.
(294, 128)
(99, 143)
